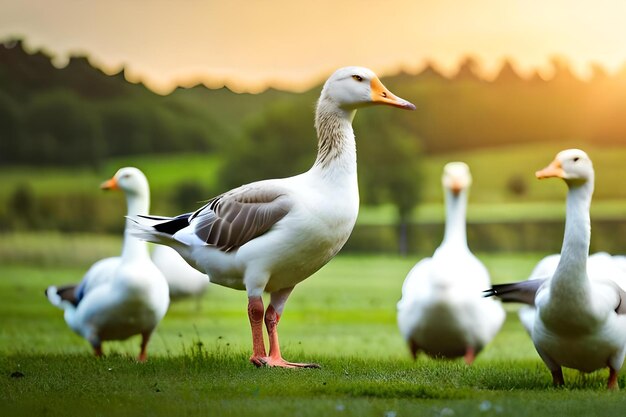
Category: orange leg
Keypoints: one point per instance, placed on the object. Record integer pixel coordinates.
(255, 315)
(271, 323)
(272, 317)
(275, 358)
(470, 355)
(143, 354)
(613, 384)
(97, 351)
(414, 349)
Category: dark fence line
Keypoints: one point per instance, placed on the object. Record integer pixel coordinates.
(511, 236)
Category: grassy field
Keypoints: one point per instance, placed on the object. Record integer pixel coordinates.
(342, 318)
(492, 168)
(163, 171)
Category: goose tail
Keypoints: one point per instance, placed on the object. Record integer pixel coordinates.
(156, 229)
(61, 297)
(518, 292)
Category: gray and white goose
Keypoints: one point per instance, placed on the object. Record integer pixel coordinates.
(270, 235)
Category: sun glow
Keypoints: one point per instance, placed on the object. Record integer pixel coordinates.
(249, 46)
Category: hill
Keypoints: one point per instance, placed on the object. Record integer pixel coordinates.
(78, 115)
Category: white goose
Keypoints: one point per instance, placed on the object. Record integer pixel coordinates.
(270, 235)
(575, 319)
(121, 296)
(182, 280)
(442, 311)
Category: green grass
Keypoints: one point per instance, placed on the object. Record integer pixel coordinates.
(512, 211)
(343, 318)
(492, 168)
(216, 385)
(490, 199)
(163, 172)
(46, 249)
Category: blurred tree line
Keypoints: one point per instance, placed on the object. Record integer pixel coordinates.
(77, 115)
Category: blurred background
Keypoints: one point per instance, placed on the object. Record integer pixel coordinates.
(203, 96)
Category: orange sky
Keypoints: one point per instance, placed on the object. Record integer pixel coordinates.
(248, 44)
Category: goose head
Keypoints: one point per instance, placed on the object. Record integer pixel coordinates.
(130, 180)
(350, 88)
(572, 165)
(456, 177)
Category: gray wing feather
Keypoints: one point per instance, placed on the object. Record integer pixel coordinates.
(520, 292)
(70, 293)
(232, 219)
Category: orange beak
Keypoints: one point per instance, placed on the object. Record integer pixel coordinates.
(456, 187)
(553, 170)
(380, 95)
(110, 185)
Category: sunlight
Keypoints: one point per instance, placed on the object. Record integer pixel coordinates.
(249, 46)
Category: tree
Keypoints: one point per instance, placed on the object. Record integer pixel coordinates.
(189, 193)
(62, 129)
(126, 127)
(280, 142)
(10, 125)
(23, 207)
(469, 70)
(507, 73)
(563, 71)
(391, 172)
(516, 185)
(430, 73)
(598, 72)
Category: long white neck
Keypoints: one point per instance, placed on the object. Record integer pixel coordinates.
(570, 278)
(456, 209)
(134, 248)
(336, 153)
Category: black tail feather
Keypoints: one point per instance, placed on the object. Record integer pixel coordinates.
(517, 292)
(170, 225)
(66, 293)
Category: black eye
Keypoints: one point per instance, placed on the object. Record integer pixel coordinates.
(358, 78)
(576, 159)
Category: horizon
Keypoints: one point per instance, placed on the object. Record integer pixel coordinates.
(546, 73)
(252, 46)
